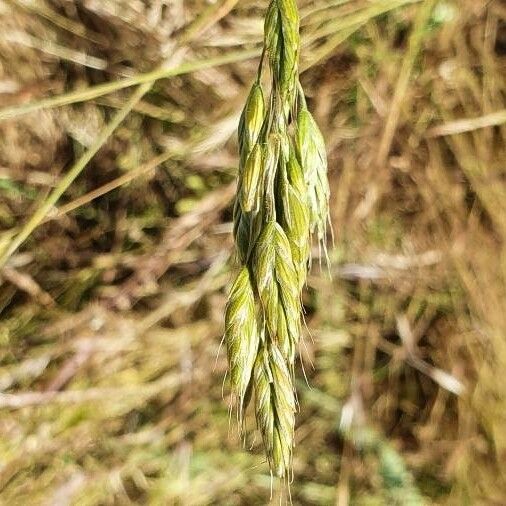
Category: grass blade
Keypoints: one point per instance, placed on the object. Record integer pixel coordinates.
(110, 87)
(46, 206)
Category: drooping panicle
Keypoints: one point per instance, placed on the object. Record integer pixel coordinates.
(282, 198)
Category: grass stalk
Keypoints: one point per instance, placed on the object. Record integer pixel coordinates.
(415, 43)
(42, 211)
(110, 87)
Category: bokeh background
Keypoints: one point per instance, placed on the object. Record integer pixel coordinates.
(116, 254)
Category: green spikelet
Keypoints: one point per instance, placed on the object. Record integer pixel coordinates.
(241, 335)
(275, 408)
(313, 159)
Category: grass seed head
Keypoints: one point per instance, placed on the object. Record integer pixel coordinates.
(282, 196)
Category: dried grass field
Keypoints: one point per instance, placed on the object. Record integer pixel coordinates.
(118, 165)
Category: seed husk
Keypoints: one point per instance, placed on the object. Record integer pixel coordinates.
(252, 174)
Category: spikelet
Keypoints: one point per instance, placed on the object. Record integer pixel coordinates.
(313, 159)
(295, 219)
(272, 37)
(263, 265)
(286, 277)
(277, 284)
(246, 219)
(282, 43)
(251, 120)
(291, 44)
(275, 408)
(241, 335)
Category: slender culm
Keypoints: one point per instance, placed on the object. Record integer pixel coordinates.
(282, 201)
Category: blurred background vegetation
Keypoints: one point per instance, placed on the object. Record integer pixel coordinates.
(116, 253)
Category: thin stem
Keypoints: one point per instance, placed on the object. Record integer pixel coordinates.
(415, 43)
(40, 214)
(106, 88)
